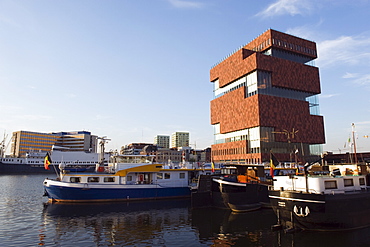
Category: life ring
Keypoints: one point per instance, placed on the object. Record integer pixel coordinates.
(141, 177)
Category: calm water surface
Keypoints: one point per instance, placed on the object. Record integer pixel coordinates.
(25, 220)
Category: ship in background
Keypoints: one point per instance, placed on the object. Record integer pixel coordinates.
(72, 149)
(33, 163)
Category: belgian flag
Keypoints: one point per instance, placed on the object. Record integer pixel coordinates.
(273, 163)
(47, 161)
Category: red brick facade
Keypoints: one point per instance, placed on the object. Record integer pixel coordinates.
(289, 114)
(273, 38)
(230, 111)
(285, 74)
(234, 111)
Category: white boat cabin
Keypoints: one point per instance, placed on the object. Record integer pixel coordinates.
(134, 177)
(133, 170)
(337, 179)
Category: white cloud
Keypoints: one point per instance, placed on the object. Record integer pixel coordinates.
(348, 52)
(290, 7)
(325, 96)
(345, 50)
(357, 78)
(350, 75)
(362, 80)
(307, 31)
(185, 4)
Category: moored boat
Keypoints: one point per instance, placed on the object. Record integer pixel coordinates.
(126, 177)
(33, 162)
(326, 198)
(239, 187)
(245, 208)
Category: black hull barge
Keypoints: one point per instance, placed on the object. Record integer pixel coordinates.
(238, 187)
(334, 199)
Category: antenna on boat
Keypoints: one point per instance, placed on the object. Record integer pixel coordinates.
(102, 142)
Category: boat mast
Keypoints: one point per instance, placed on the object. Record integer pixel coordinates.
(103, 140)
(354, 142)
(3, 147)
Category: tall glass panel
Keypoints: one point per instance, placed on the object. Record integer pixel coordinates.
(251, 88)
(228, 88)
(316, 149)
(314, 104)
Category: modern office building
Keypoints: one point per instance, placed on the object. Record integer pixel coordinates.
(180, 139)
(26, 141)
(265, 100)
(77, 141)
(162, 141)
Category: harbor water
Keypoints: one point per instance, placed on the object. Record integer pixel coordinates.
(26, 220)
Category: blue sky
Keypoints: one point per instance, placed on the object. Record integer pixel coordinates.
(132, 69)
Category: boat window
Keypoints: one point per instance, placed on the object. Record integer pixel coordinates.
(93, 179)
(362, 181)
(129, 178)
(331, 185)
(348, 182)
(167, 175)
(159, 175)
(182, 175)
(108, 179)
(75, 179)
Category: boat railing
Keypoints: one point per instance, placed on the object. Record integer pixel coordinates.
(311, 191)
(194, 180)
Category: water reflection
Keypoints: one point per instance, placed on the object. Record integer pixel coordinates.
(156, 223)
(174, 223)
(149, 223)
(25, 222)
(235, 229)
